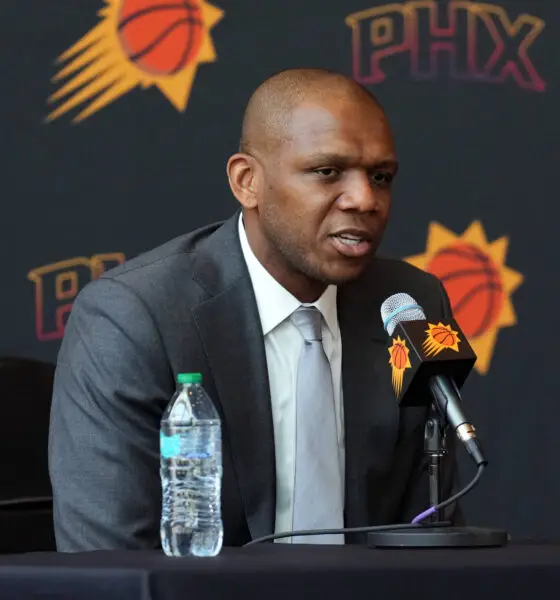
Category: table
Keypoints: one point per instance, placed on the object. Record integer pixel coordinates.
(287, 572)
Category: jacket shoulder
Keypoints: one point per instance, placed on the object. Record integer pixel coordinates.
(162, 275)
(162, 259)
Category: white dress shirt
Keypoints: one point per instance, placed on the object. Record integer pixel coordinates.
(283, 344)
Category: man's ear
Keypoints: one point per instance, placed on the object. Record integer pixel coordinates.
(243, 173)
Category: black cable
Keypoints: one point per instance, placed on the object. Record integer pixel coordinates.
(465, 490)
(453, 498)
(277, 536)
(395, 527)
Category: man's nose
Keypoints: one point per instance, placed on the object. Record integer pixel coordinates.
(360, 195)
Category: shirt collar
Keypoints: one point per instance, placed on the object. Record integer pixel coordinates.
(274, 302)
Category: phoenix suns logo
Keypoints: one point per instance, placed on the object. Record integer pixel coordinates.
(478, 283)
(399, 360)
(440, 337)
(137, 43)
(469, 41)
(58, 284)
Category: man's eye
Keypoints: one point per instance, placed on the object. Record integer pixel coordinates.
(382, 178)
(327, 172)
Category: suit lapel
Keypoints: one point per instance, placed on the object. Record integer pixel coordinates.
(231, 334)
(371, 413)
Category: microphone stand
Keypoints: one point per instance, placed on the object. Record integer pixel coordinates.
(437, 533)
(435, 446)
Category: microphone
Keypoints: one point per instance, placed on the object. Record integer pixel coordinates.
(430, 357)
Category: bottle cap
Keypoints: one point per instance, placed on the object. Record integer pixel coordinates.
(189, 378)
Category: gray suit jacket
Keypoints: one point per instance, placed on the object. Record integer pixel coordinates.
(189, 306)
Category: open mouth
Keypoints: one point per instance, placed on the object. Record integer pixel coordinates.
(352, 244)
(350, 239)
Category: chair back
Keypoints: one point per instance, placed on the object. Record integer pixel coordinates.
(25, 491)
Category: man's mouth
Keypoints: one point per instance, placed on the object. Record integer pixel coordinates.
(350, 239)
(352, 244)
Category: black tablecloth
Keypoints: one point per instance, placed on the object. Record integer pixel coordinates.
(298, 572)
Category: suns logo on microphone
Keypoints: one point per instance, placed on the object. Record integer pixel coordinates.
(400, 361)
(440, 337)
(138, 43)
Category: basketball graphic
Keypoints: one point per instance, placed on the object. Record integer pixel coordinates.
(159, 36)
(137, 43)
(478, 283)
(399, 361)
(474, 282)
(398, 356)
(440, 337)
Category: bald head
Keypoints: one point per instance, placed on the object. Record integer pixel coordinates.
(268, 113)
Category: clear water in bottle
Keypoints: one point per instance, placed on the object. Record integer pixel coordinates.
(191, 472)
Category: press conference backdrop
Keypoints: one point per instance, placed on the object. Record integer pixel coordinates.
(118, 117)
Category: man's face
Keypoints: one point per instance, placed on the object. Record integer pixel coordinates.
(327, 189)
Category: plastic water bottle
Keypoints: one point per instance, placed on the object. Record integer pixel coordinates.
(191, 472)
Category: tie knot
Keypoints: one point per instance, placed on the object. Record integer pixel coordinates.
(308, 321)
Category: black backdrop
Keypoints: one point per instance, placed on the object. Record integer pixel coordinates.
(471, 89)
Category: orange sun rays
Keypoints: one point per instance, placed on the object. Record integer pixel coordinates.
(441, 239)
(97, 70)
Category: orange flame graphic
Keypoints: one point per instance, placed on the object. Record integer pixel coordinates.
(399, 361)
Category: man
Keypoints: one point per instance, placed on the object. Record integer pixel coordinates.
(313, 177)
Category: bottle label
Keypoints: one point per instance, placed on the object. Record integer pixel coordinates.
(172, 446)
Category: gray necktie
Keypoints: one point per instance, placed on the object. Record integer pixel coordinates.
(318, 491)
